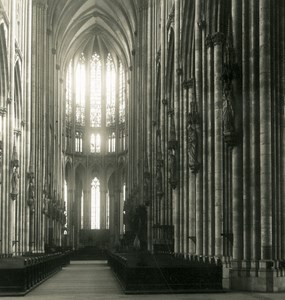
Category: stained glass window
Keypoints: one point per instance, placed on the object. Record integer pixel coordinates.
(68, 94)
(95, 91)
(110, 91)
(78, 141)
(95, 204)
(112, 142)
(95, 143)
(122, 93)
(80, 91)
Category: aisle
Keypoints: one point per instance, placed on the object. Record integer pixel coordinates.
(80, 280)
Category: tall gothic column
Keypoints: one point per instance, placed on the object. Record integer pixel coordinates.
(218, 40)
(265, 130)
(13, 165)
(237, 155)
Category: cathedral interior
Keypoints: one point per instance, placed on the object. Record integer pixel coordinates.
(149, 125)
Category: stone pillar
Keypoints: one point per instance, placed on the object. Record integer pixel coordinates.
(237, 155)
(218, 40)
(210, 133)
(254, 133)
(246, 132)
(198, 100)
(265, 130)
(103, 205)
(13, 170)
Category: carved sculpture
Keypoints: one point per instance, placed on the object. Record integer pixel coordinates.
(229, 71)
(192, 138)
(15, 175)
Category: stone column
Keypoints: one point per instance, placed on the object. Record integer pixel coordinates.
(13, 171)
(246, 132)
(103, 206)
(198, 96)
(254, 133)
(210, 133)
(237, 155)
(218, 40)
(265, 130)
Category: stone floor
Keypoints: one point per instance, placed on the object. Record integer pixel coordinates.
(94, 280)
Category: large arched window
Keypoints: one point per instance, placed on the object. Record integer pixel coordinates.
(80, 91)
(122, 93)
(110, 91)
(96, 97)
(68, 93)
(95, 204)
(95, 91)
(95, 143)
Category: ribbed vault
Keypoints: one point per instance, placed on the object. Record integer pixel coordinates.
(75, 24)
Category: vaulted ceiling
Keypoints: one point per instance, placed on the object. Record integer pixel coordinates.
(77, 23)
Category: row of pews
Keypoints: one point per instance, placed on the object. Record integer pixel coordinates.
(20, 274)
(140, 272)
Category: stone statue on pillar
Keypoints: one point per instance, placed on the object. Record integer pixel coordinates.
(15, 175)
(192, 140)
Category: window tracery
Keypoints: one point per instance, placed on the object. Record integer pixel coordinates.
(80, 91)
(95, 91)
(122, 93)
(110, 91)
(95, 204)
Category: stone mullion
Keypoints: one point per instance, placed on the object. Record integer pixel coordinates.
(254, 132)
(218, 40)
(237, 155)
(210, 133)
(265, 130)
(246, 132)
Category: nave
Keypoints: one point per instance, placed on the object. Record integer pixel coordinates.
(95, 280)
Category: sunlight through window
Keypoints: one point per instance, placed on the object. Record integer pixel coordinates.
(95, 204)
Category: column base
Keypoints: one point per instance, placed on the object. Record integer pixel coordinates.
(257, 276)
